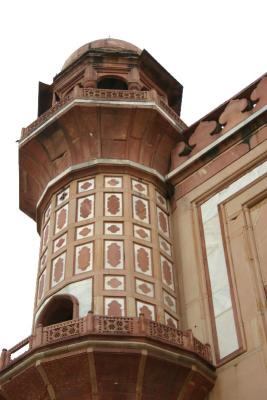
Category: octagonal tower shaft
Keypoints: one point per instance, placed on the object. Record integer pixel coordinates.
(92, 175)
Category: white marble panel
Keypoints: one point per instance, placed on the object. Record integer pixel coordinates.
(114, 282)
(140, 209)
(85, 185)
(114, 254)
(84, 231)
(60, 242)
(144, 288)
(47, 213)
(139, 187)
(147, 309)
(142, 233)
(161, 200)
(61, 218)
(165, 246)
(45, 235)
(62, 196)
(169, 301)
(113, 205)
(163, 222)
(84, 258)
(221, 296)
(226, 331)
(58, 269)
(113, 228)
(170, 321)
(41, 286)
(166, 272)
(142, 259)
(85, 208)
(113, 182)
(114, 306)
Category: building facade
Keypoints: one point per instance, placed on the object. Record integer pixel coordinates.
(152, 277)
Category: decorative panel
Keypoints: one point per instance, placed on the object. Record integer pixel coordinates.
(45, 235)
(114, 306)
(61, 218)
(85, 185)
(140, 209)
(58, 269)
(139, 187)
(169, 301)
(114, 254)
(84, 258)
(114, 282)
(165, 246)
(113, 228)
(71, 242)
(144, 288)
(41, 286)
(113, 204)
(147, 309)
(84, 231)
(142, 259)
(113, 182)
(170, 321)
(161, 201)
(47, 213)
(86, 208)
(60, 242)
(142, 233)
(63, 196)
(163, 223)
(167, 272)
(43, 260)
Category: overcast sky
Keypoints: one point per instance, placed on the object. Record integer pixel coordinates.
(213, 48)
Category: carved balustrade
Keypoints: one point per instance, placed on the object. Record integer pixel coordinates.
(106, 95)
(7, 356)
(111, 326)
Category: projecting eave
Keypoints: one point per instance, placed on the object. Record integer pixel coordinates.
(139, 127)
(154, 70)
(223, 135)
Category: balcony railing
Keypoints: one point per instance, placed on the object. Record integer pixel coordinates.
(108, 95)
(95, 325)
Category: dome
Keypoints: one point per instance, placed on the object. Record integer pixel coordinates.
(105, 44)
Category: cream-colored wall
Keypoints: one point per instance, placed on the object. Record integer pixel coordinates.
(245, 375)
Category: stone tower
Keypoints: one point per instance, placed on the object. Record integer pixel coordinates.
(107, 320)
(152, 269)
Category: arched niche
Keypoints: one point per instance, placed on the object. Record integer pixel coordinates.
(60, 308)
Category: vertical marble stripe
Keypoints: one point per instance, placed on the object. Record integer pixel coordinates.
(220, 287)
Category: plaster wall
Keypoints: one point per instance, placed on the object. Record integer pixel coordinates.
(238, 193)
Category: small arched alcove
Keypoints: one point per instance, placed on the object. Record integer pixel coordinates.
(111, 82)
(59, 309)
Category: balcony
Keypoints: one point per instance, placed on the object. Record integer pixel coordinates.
(105, 95)
(112, 326)
(98, 357)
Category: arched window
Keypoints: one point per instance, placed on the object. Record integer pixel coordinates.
(59, 309)
(112, 83)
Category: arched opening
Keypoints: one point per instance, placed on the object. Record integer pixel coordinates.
(112, 83)
(59, 309)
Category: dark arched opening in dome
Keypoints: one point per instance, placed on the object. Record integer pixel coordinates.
(112, 83)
